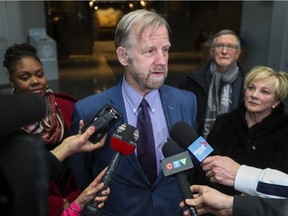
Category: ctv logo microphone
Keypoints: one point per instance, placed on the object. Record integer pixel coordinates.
(176, 163)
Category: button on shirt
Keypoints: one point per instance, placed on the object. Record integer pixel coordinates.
(132, 100)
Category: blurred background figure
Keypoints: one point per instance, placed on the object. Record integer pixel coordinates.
(218, 83)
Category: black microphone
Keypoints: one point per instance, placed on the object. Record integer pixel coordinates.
(183, 134)
(20, 110)
(171, 148)
(124, 142)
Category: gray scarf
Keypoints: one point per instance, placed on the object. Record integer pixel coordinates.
(216, 103)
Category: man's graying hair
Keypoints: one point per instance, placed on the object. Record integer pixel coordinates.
(226, 32)
(139, 20)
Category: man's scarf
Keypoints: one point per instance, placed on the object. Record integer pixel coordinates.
(219, 100)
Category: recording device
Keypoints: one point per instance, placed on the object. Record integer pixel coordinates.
(169, 149)
(103, 121)
(187, 138)
(124, 142)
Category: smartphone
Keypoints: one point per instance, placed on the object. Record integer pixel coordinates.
(103, 121)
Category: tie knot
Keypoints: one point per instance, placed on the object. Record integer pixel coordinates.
(144, 104)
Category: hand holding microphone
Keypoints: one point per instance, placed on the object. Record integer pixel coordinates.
(213, 168)
(124, 142)
(220, 169)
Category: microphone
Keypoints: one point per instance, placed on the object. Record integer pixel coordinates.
(183, 134)
(124, 142)
(169, 149)
(20, 110)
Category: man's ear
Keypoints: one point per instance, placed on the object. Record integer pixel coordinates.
(122, 56)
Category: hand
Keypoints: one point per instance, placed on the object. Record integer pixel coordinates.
(77, 143)
(209, 200)
(90, 192)
(220, 169)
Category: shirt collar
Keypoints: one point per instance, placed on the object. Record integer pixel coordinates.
(134, 98)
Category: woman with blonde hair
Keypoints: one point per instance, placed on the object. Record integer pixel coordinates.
(255, 134)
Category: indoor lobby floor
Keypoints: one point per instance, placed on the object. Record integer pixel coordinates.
(84, 75)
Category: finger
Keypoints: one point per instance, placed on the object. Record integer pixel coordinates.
(213, 179)
(182, 204)
(209, 174)
(195, 195)
(208, 160)
(201, 211)
(196, 188)
(90, 130)
(195, 201)
(101, 205)
(186, 213)
(81, 124)
(106, 192)
(207, 167)
(102, 141)
(99, 177)
(101, 198)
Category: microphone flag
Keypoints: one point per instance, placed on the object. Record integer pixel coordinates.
(200, 149)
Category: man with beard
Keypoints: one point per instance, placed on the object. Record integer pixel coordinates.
(142, 47)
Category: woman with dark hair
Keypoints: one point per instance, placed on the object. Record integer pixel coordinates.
(27, 75)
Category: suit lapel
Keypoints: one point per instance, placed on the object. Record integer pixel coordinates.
(169, 106)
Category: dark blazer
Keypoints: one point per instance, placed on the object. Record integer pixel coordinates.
(198, 82)
(131, 193)
(257, 206)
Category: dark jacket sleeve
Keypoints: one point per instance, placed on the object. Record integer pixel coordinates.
(23, 175)
(54, 166)
(257, 206)
(17, 111)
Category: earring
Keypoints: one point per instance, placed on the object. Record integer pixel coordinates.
(273, 107)
(14, 90)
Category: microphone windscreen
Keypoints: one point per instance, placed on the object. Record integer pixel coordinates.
(125, 139)
(183, 134)
(20, 110)
(171, 148)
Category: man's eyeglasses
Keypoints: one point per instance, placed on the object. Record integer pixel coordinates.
(228, 47)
